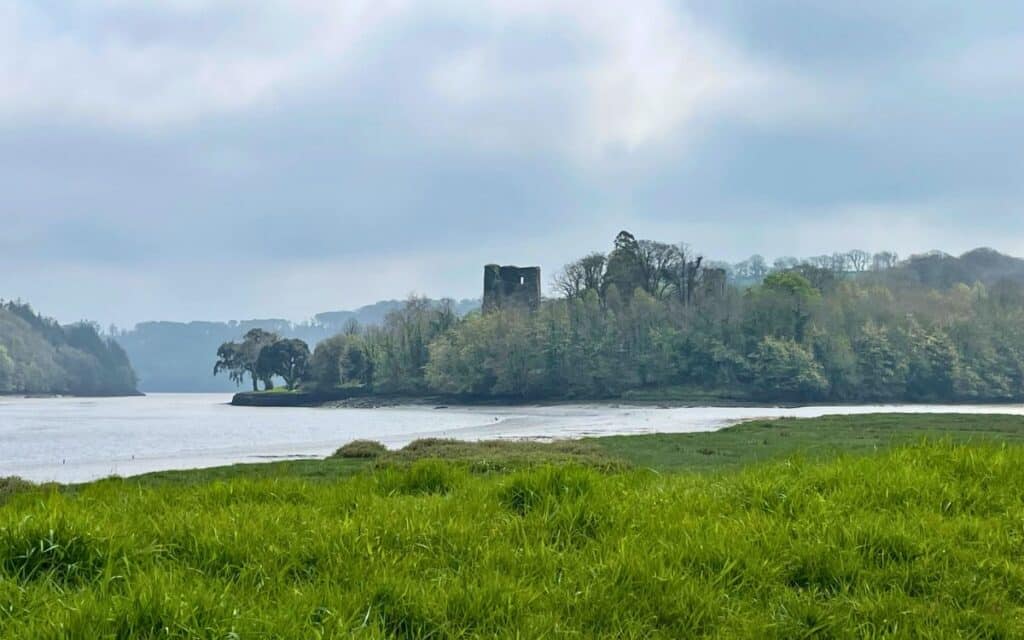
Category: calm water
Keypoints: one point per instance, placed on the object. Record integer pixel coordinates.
(74, 439)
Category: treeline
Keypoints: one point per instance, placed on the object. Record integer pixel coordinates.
(175, 356)
(39, 355)
(649, 316)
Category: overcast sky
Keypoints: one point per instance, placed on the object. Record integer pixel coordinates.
(216, 159)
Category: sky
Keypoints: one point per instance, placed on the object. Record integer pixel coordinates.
(219, 159)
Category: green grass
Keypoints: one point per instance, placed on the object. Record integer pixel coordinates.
(728, 449)
(871, 531)
(765, 440)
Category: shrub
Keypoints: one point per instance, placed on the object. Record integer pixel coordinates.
(487, 456)
(11, 485)
(361, 449)
(429, 446)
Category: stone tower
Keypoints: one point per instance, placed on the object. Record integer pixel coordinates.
(511, 287)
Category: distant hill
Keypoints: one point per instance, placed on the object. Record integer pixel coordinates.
(39, 356)
(375, 313)
(939, 270)
(179, 356)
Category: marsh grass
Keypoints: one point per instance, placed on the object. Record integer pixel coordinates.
(922, 540)
(361, 449)
(500, 456)
(10, 485)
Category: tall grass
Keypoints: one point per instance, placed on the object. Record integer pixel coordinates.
(926, 540)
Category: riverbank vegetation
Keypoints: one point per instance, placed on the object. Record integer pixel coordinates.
(650, 317)
(40, 356)
(915, 540)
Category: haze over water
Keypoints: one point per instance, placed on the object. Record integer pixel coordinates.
(76, 439)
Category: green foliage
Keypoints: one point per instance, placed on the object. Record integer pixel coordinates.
(398, 351)
(918, 541)
(648, 319)
(783, 368)
(38, 355)
(883, 372)
(288, 359)
(6, 371)
(790, 283)
(262, 355)
(361, 449)
(488, 456)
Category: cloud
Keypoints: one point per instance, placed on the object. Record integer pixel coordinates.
(640, 73)
(133, 64)
(202, 158)
(612, 78)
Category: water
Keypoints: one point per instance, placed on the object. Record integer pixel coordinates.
(78, 439)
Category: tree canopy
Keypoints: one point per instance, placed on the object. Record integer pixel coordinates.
(39, 355)
(649, 315)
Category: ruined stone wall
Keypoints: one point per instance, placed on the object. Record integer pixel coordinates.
(511, 287)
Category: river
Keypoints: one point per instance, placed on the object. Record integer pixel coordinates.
(79, 439)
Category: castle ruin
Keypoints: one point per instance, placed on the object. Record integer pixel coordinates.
(507, 287)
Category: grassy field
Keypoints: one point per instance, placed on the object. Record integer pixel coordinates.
(867, 526)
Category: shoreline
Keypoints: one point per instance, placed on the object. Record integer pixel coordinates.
(345, 399)
(53, 396)
(730, 447)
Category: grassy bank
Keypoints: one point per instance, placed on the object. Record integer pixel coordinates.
(865, 532)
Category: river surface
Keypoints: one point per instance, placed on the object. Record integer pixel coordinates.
(79, 439)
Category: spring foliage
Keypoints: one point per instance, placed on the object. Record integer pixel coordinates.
(650, 317)
(38, 355)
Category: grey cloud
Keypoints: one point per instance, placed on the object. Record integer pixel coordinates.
(440, 139)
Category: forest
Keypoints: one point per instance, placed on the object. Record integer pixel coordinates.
(40, 356)
(650, 318)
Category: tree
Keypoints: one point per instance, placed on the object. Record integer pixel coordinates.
(229, 359)
(781, 306)
(325, 364)
(242, 358)
(782, 368)
(757, 266)
(584, 274)
(683, 273)
(288, 359)
(838, 262)
(624, 269)
(882, 369)
(884, 260)
(933, 364)
(821, 278)
(858, 260)
(569, 281)
(593, 266)
(356, 363)
(659, 263)
(785, 263)
(6, 371)
(253, 343)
